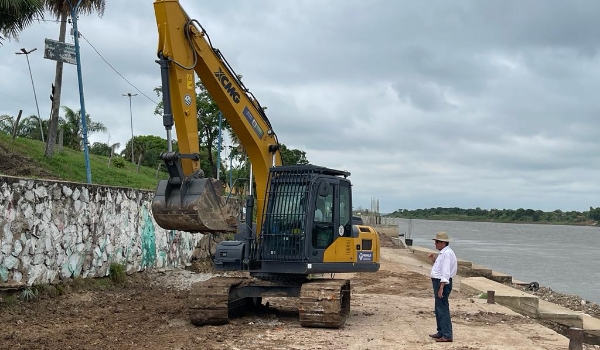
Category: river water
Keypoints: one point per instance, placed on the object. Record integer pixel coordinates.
(563, 258)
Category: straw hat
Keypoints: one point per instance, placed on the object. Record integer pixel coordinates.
(441, 236)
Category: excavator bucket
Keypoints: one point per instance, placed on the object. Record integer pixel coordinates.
(196, 205)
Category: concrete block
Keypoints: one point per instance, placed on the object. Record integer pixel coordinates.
(481, 271)
(591, 324)
(518, 301)
(422, 253)
(591, 330)
(520, 283)
(500, 277)
(555, 313)
(464, 263)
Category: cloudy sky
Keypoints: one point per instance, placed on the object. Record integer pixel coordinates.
(437, 103)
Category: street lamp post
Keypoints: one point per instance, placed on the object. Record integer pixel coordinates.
(26, 53)
(129, 94)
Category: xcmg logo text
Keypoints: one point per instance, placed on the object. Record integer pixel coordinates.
(226, 83)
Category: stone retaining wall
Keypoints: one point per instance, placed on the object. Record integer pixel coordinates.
(52, 230)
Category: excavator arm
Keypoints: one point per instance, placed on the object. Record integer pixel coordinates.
(188, 201)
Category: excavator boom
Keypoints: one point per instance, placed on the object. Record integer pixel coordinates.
(187, 201)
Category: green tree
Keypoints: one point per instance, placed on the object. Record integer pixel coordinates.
(73, 131)
(101, 149)
(15, 15)
(292, 156)
(595, 213)
(61, 10)
(150, 147)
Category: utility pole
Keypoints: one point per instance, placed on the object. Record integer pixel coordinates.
(129, 94)
(86, 152)
(26, 53)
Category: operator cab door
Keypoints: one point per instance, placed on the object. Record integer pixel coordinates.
(332, 215)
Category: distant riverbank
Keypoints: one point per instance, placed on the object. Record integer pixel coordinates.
(591, 223)
(504, 216)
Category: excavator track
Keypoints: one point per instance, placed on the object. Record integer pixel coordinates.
(324, 303)
(209, 301)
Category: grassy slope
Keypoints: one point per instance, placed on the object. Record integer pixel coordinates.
(69, 165)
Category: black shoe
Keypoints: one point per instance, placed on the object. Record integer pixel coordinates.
(435, 335)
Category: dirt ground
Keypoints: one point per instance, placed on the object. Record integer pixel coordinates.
(15, 164)
(390, 309)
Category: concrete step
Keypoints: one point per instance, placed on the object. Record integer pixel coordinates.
(464, 263)
(478, 270)
(501, 277)
(520, 283)
(591, 324)
(516, 300)
(530, 305)
(551, 312)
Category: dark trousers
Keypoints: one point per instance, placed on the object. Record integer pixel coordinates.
(442, 309)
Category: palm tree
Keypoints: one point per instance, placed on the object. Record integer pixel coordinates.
(28, 127)
(113, 148)
(61, 10)
(140, 149)
(15, 15)
(73, 131)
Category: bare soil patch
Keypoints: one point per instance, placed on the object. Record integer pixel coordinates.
(15, 164)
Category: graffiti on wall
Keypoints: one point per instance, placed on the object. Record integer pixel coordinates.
(51, 231)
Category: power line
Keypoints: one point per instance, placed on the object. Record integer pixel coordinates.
(23, 102)
(53, 20)
(116, 71)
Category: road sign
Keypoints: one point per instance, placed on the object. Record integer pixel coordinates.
(57, 51)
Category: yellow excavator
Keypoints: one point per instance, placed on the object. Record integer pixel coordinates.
(303, 227)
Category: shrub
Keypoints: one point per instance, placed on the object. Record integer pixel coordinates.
(118, 162)
(117, 273)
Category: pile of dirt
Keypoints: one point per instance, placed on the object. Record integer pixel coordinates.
(387, 241)
(16, 164)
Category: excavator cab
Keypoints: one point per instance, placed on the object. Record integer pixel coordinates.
(308, 207)
(307, 228)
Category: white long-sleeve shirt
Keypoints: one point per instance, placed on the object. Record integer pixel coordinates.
(445, 265)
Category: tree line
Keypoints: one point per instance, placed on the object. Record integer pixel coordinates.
(520, 215)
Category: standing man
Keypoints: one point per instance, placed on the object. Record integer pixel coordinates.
(444, 268)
